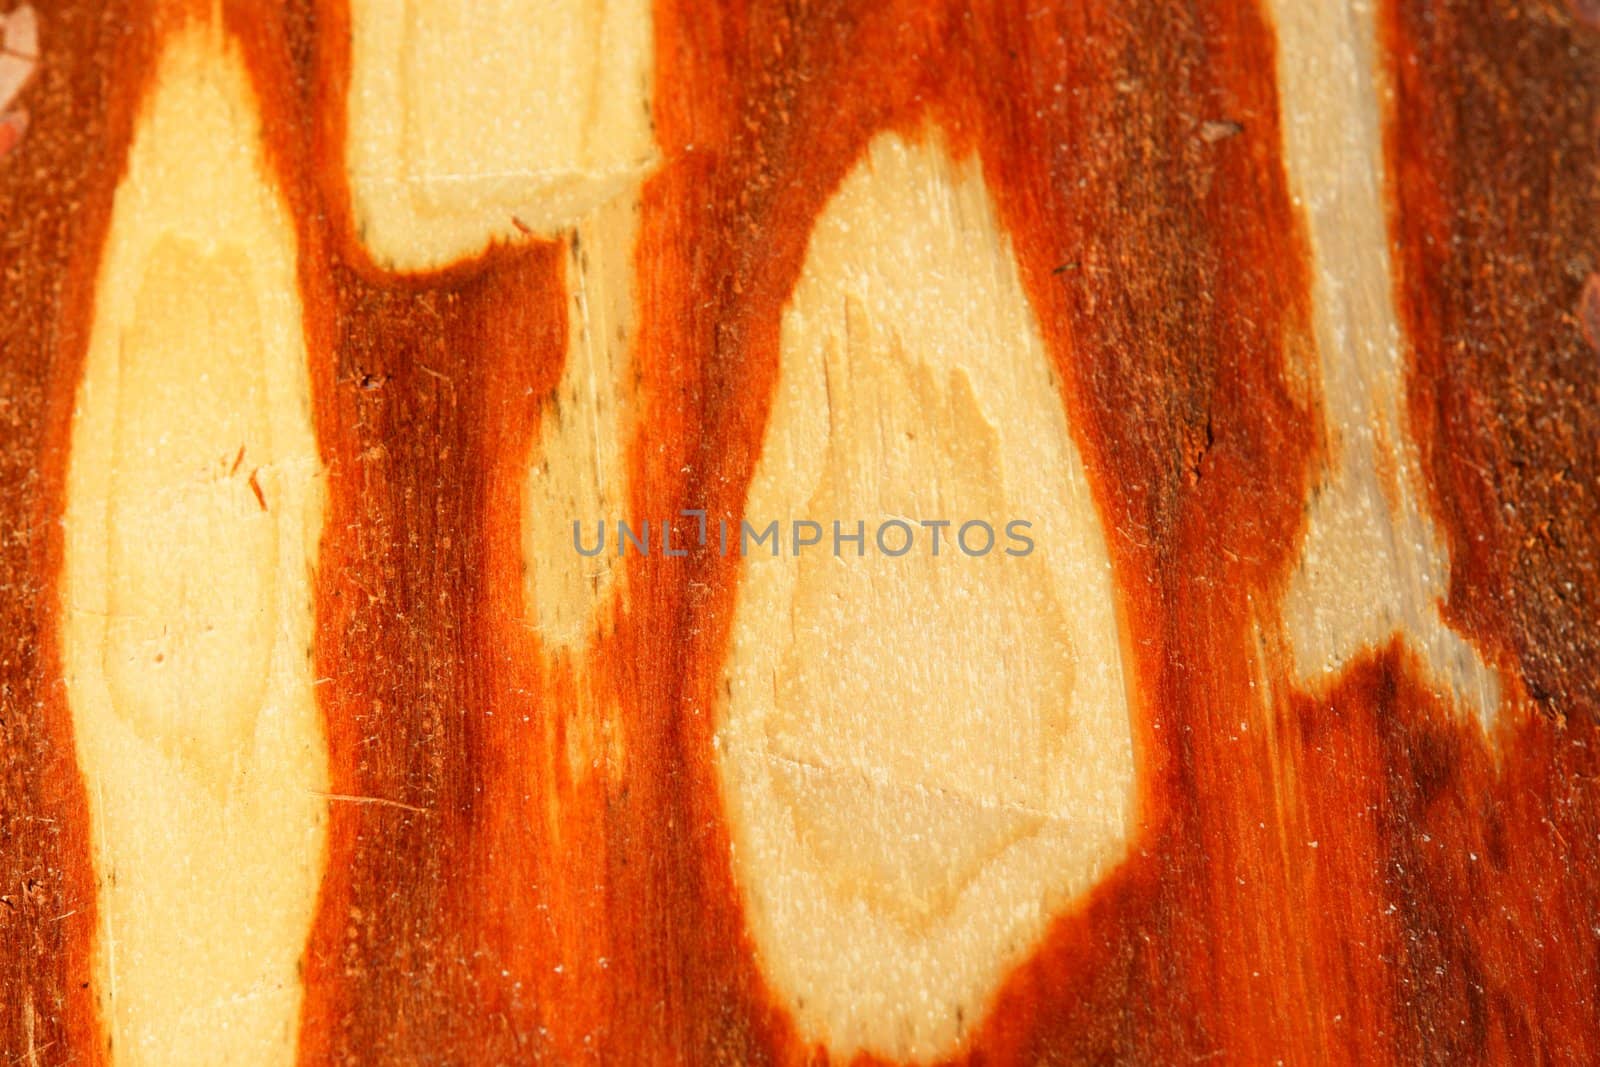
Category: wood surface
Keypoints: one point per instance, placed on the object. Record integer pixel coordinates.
(322, 322)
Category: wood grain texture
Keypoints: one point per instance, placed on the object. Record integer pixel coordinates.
(903, 826)
(1492, 156)
(192, 518)
(469, 124)
(528, 841)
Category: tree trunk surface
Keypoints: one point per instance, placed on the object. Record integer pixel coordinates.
(743, 532)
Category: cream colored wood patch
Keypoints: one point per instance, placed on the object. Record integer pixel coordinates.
(1373, 563)
(578, 472)
(194, 507)
(474, 121)
(924, 759)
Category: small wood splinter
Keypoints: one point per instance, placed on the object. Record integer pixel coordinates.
(1589, 311)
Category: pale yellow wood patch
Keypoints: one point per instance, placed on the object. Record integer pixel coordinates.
(194, 506)
(1373, 563)
(924, 759)
(474, 121)
(578, 472)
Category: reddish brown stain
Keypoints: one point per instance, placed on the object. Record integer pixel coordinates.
(1355, 876)
(55, 199)
(1490, 863)
(1493, 158)
(413, 925)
